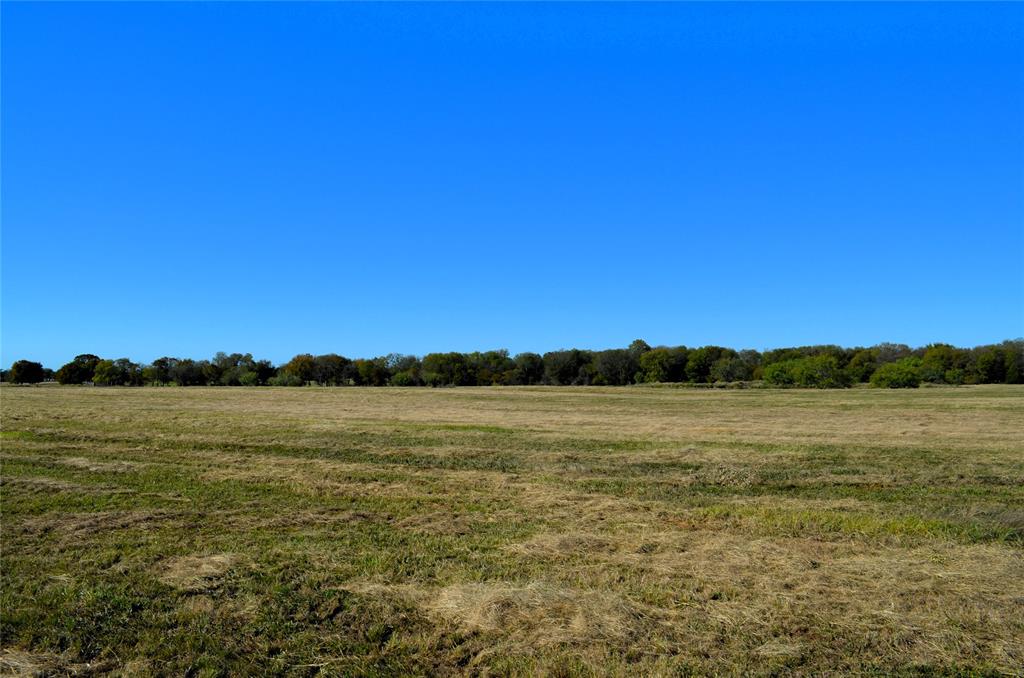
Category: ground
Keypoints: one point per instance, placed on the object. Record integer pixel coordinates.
(566, 531)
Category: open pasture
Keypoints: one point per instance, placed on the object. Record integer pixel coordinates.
(565, 531)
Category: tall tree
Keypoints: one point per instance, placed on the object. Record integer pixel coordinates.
(79, 370)
(26, 372)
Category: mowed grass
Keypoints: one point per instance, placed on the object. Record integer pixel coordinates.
(512, 531)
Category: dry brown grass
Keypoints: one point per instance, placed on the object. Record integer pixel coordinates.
(515, 531)
(197, 573)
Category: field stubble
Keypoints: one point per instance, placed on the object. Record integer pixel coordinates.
(512, 531)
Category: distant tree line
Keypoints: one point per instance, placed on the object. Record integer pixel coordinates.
(884, 365)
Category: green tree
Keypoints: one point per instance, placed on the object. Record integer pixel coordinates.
(638, 347)
(939, 359)
(331, 369)
(186, 372)
(890, 353)
(616, 367)
(528, 369)
(672, 365)
(863, 364)
(780, 373)
(654, 365)
(818, 371)
(732, 368)
(491, 367)
(159, 371)
(821, 371)
(284, 378)
(26, 372)
(446, 369)
(404, 378)
(990, 366)
(372, 372)
(567, 367)
(1013, 357)
(120, 372)
(79, 370)
(700, 361)
(231, 369)
(405, 370)
(904, 373)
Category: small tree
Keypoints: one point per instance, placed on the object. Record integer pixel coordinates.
(905, 373)
(79, 370)
(990, 366)
(403, 378)
(249, 378)
(329, 369)
(731, 369)
(372, 372)
(27, 372)
(863, 364)
(283, 378)
(529, 369)
(820, 371)
(700, 361)
(120, 372)
(565, 367)
(780, 374)
(302, 367)
(616, 366)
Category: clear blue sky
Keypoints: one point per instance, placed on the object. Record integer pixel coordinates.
(279, 178)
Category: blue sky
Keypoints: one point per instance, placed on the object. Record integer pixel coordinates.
(185, 178)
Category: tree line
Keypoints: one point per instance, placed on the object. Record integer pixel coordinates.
(828, 366)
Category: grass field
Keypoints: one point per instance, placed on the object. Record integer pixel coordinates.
(564, 531)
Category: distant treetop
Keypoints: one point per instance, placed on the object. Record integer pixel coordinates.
(828, 366)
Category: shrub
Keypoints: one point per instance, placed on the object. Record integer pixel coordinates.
(404, 378)
(905, 373)
(780, 374)
(731, 369)
(862, 365)
(820, 371)
(284, 378)
(954, 376)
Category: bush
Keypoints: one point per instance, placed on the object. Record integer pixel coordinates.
(954, 376)
(820, 371)
(286, 379)
(780, 374)
(731, 369)
(862, 365)
(404, 378)
(905, 373)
